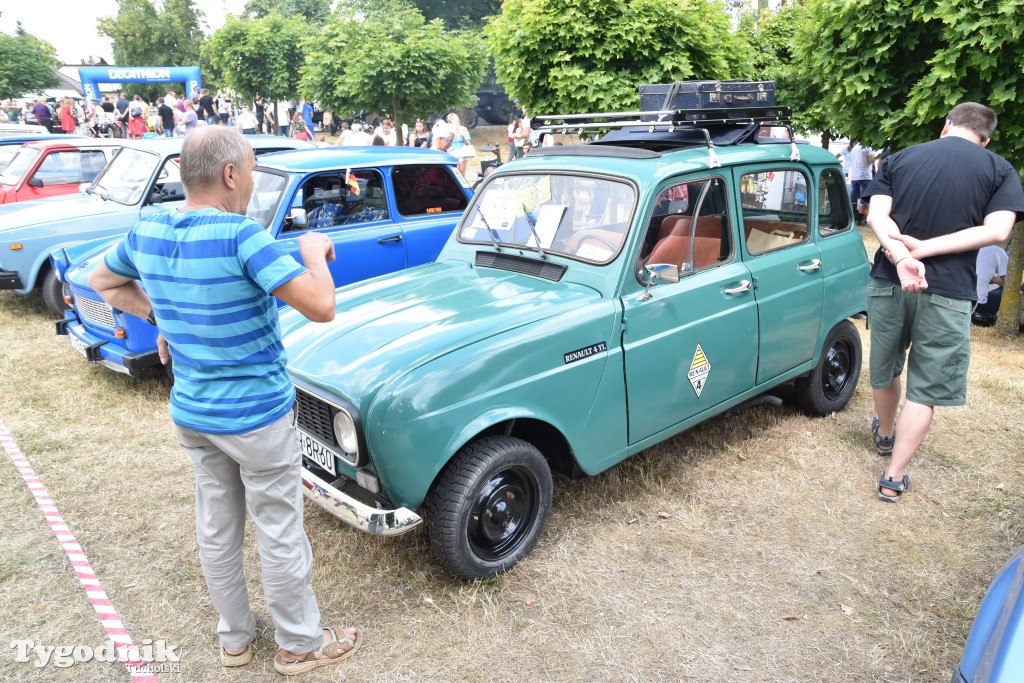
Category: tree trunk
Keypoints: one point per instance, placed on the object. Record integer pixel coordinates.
(1006, 322)
(826, 139)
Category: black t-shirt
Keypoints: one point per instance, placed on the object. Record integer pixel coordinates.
(166, 116)
(108, 107)
(206, 108)
(941, 187)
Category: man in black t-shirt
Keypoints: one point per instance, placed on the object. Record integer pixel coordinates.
(166, 117)
(933, 206)
(207, 111)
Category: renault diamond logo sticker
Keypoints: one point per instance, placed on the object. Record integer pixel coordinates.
(700, 368)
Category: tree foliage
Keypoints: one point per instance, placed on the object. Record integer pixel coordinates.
(392, 60)
(893, 70)
(28, 65)
(460, 14)
(591, 55)
(143, 35)
(259, 57)
(313, 11)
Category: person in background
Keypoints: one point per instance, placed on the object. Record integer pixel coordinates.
(42, 113)
(223, 107)
(107, 106)
(307, 114)
(246, 121)
(359, 137)
(299, 131)
(67, 117)
(461, 148)
(991, 266)
(136, 118)
(260, 112)
(166, 117)
(419, 136)
(207, 109)
(344, 135)
(386, 132)
(283, 118)
(232, 398)
(521, 133)
(190, 120)
(861, 171)
(122, 110)
(923, 280)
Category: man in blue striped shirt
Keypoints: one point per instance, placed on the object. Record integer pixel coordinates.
(209, 276)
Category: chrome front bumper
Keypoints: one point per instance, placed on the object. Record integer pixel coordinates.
(355, 513)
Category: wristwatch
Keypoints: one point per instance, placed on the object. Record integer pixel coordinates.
(151, 319)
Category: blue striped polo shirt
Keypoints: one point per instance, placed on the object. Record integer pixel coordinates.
(209, 275)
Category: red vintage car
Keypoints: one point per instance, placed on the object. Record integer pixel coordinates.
(46, 168)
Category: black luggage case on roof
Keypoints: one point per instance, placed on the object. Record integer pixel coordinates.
(707, 95)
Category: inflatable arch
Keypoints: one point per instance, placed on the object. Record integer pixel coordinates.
(92, 76)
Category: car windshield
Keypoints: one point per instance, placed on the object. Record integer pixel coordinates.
(127, 176)
(7, 154)
(579, 216)
(266, 195)
(19, 166)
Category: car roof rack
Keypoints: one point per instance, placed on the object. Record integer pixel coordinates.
(728, 126)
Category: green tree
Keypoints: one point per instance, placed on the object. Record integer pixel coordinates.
(314, 11)
(143, 35)
(459, 14)
(770, 38)
(392, 60)
(259, 57)
(891, 71)
(591, 55)
(29, 64)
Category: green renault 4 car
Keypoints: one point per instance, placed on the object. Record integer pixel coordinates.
(595, 299)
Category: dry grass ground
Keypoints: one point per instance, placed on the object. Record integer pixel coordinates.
(751, 548)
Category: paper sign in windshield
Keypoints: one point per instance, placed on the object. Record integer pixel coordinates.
(547, 219)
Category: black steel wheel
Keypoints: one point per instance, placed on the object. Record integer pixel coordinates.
(489, 506)
(52, 290)
(830, 386)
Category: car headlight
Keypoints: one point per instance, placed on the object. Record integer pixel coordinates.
(345, 432)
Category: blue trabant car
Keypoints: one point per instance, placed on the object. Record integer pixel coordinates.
(143, 178)
(385, 208)
(594, 300)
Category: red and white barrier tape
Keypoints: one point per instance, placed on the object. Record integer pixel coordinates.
(93, 589)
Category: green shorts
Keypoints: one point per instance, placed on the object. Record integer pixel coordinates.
(937, 332)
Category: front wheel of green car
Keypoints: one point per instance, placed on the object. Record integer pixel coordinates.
(830, 386)
(489, 506)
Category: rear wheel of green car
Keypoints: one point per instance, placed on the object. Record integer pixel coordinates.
(830, 386)
(489, 506)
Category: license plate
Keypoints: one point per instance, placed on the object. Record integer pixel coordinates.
(316, 451)
(77, 344)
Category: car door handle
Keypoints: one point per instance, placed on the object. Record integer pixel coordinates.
(744, 286)
(393, 238)
(815, 264)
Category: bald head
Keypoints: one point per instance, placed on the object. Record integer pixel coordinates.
(205, 153)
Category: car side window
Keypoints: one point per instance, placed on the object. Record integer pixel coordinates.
(168, 182)
(833, 203)
(344, 198)
(65, 168)
(775, 213)
(689, 227)
(426, 189)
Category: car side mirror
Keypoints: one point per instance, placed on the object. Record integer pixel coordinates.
(298, 218)
(666, 271)
(35, 182)
(155, 196)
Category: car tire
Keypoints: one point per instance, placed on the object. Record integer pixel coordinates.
(830, 386)
(489, 506)
(52, 290)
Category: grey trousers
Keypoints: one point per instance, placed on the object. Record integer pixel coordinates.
(258, 471)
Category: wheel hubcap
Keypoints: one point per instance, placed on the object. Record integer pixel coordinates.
(503, 511)
(838, 364)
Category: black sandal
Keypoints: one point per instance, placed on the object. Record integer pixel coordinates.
(883, 446)
(899, 487)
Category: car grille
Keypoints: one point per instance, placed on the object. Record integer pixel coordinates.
(314, 416)
(94, 311)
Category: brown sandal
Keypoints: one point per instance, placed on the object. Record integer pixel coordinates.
(241, 659)
(332, 651)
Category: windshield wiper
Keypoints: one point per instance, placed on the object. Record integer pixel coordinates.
(490, 230)
(533, 229)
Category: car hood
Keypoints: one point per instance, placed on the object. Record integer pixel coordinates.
(391, 325)
(54, 209)
(83, 257)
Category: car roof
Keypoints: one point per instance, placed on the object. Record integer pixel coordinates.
(173, 145)
(75, 141)
(22, 139)
(333, 158)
